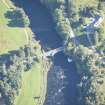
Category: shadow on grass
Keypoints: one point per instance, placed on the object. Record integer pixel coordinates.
(6, 58)
(14, 21)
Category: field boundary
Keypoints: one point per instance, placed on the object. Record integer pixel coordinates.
(5, 3)
(25, 29)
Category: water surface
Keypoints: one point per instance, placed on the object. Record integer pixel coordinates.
(43, 27)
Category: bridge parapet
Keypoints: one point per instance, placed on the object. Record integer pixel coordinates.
(54, 51)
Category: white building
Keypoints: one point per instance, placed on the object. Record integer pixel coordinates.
(98, 22)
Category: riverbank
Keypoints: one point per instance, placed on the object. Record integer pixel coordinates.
(65, 31)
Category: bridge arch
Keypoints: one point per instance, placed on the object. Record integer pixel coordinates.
(53, 52)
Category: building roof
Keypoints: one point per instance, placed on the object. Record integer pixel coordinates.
(98, 21)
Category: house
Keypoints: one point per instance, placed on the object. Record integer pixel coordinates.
(98, 21)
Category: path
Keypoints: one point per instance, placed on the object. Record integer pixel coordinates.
(6, 4)
(73, 36)
(27, 35)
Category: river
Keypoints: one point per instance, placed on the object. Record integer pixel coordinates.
(43, 27)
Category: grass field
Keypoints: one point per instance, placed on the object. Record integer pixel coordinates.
(30, 87)
(10, 38)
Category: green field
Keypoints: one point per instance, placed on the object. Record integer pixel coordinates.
(10, 38)
(30, 87)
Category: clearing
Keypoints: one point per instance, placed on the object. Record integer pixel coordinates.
(31, 85)
(10, 38)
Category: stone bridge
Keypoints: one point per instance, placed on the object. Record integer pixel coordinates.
(53, 52)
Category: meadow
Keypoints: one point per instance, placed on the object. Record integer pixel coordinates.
(11, 38)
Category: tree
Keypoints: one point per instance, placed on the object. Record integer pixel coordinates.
(21, 53)
(21, 16)
(18, 18)
(96, 38)
(101, 5)
(101, 34)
